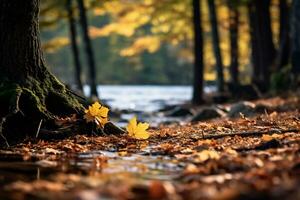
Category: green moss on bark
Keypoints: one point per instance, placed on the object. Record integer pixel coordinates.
(23, 105)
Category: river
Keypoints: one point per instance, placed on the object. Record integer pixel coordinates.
(145, 98)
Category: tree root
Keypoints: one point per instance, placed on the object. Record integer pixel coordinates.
(23, 108)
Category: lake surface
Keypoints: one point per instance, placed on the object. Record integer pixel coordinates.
(146, 98)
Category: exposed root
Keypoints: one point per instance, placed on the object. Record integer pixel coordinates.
(23, 108)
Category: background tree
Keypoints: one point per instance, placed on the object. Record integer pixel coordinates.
(129, 33)
(263, 50)
(88, 48)
(74, 46)
(29, 93)
(233, 33)
(296, 38)
(216, 45)
(283, 54)
(198, 54)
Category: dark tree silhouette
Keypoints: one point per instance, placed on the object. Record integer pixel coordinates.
(29, 93)
(283, 53)
(198, 54)
(234, 50)
(74, 46)
(263, 50)
(295, 28)
(88, 48)
(216, 44)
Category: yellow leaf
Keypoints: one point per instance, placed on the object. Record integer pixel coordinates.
(267, 138)
(206, 155)
(97, 113)
(137, 130)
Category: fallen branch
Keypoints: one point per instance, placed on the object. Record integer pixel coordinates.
(250, 133)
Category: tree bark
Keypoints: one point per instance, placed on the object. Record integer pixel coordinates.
(88, 48)
(295, 30)
(29, 93)
(198, 54)
(283, 54)
(234, 49)
(263, 50)
(216, 44)
(254, 44)
(74, 46)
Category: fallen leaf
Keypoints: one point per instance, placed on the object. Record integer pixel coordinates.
(267, 138)
(206, 155)
(97, 113)
(137, 130)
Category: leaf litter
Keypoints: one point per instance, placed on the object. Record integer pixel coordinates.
(242, 158)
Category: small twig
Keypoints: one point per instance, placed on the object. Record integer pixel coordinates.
(266, 113)
(1, 129)
(250, 133)
(77, 95)
(38, 174)
(5, 140)
(39, 127)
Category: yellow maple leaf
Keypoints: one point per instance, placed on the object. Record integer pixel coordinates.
(97, 113)
(137, 130)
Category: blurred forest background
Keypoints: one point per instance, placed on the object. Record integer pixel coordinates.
(152, 42)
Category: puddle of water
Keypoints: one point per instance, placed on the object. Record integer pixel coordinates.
(141, 166)
(153, 167)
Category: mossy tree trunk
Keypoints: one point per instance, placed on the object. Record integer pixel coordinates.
(29, 93)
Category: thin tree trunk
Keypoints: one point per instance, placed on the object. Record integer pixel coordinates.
(283, 54)
(263, 50)
(198, 54)
(88, 47)
(216, 44)
(254, 45)
(234, 50)
(73, 35)
(295, 30)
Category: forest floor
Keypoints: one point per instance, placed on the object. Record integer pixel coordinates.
(242, 158)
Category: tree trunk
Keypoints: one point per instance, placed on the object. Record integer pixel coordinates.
(73, 35)
(234, 50)
(263, 50)
(295, 30)
(29, 93)
(198, 54)
(88, 48)
(254, 45)
(216, 44)
(283, 54)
